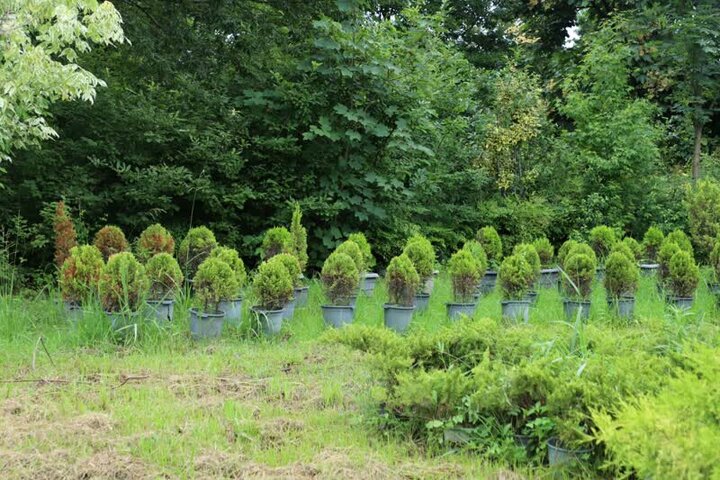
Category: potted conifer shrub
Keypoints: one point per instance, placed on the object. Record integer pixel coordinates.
(634, 246)
(602, 240)
(195, 248)
(683, 278)
(682, 241)
(465, 276)
(123, 287)
(651, 244)
(273, 289)
(403, 282)
(232, 306)
(515, 275)
(422, 255)
(276, 240)
(665, 254)
(214, 282)
(369, 278)
(153, 240)
(351, 249)
(340, 279)
(579, 272)
(292, 265)
(478, 252)
(110, 240)
(565, 249)
(714, 285)
(79, 277)
(549, 273)
(492, 244)
(528, 251)
(65, 235)
(165, 278)
(621, 280)
(299, 249)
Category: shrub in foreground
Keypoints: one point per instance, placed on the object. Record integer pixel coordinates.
(683, 274)
(80, 273)
(465, 276)
(292, 265)
(515, 275)
(621, 276)
(602, 239)
(299, 237)
(123, 283)
(352, 250)
(478, 253)
(232, 258)
(403, 281)
(164, 276)
(214, 282)
(340, 278)
(580, 271)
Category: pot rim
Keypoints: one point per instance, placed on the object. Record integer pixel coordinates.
(422, 294)
(550, 270)
(238, 299)
(337, 307)
(515, 302)
(650, 266)
(371, 275)
(305, 287)
(491, 273)
(392, 306)
(257, 309)
(162, 302)
(202, 315)
(577, 302)
(678, 297)
(554, 443)
(460, 304)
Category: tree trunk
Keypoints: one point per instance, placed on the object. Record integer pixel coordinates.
(696, 153)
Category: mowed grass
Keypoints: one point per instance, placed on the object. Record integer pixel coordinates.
(77, 401)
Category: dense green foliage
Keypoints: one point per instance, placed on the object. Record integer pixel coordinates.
(275, 241)
(352, 250)
(665, 254)
(232, 258)
(340, 278)
(80, 273)
(272, 285)
(652, 242)
(214, 282)
(635, 247)
(580, 273)
(545, 250)
(602, 240)
(403, 280)
(123, 283)
(621, 275)
(492, 243)
(65, 234)
(195, 248)
(110, 240)
(515, 275)
(292, 265)
(362, 242)
(299, 237)
(164, 276)
(422, 255)
(681, 239)
(531, 255)
(478, 253)
(153, 240)
(465, 275)
(703, 203)
(683, 274)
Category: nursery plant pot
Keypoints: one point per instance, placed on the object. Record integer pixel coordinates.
(549, 278)
(421, 301)
(289, 309)
(352, 300)
(571, 308)
(162, 310)
(559, 455)
(649, 269)
(369, 282)
(270, 320)
(206, 325)
(120, 320)
(683, 303)
(233, 310)
(523, 440)
(429, 285)
(338, 316)
(516, 310)
(531, 296)
(73, 311)
(623, 306)
(488, 281)
(301, 296)
(455, 310)
(397, 317)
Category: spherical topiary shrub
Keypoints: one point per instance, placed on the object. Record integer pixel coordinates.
(564, 250)
(652, 242)
(583, 249)
(232, 258)
(292, 265)
(682, 240)
(340, 278)
(299, 237)
(153, 240)
(352, 250)
(635, 247)
(621, 247)
(402, 281)
(528, 252)
(164, 275)
(195, 248)
(465, 275)
(214, 282)
(272, 285)
(545, 251)
(422, 255)
(65, 236)
(110, 240)
(515, 275)
(365, 248)
(491, 242)
(478, 253)
(602, 239)
(80, 273)
(621, 275)
(580, 271)
(665, 254)
(683, 274)
(123, 283)
(715, 260)
(276, 240)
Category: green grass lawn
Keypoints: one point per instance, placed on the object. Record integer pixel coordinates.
(76, 402)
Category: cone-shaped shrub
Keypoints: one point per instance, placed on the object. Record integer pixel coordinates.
(153, 240)
(276, 240)
(621, 275)
(123, 283)
(565, 249)
(110, 240)
(665, 254)
(365, 248)
(491, 242)
(545, 251)
(272, 285)
(580, 271)
(465, 276)
(299, 237)
(602, 239)
(80, 273)
(292, 264)
(715, 260)
(652, 242)
(682, 240)
(65, 236)
(195, 248)
(214, 282)
(515, 275)
(478, 253)
(621, 247)
(352, 250)
(164, 275)
(683, 274)
(422, 255)
(528, 252)
(635, 247)
(340, 278)
(232, 258)
(403, 281)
